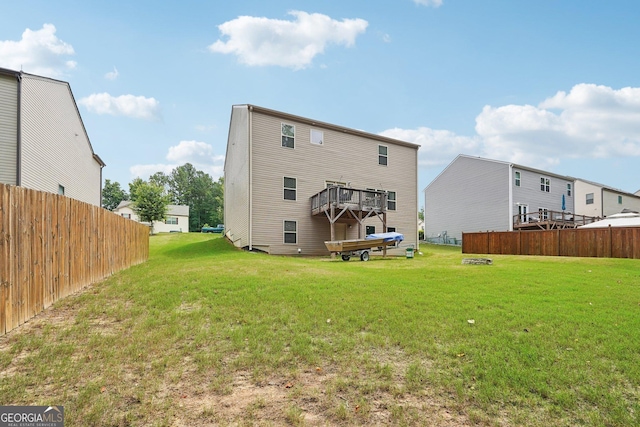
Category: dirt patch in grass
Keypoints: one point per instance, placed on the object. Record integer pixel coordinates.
(307, 400)
(306, 397)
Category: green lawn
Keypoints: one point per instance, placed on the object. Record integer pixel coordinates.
(204, 334)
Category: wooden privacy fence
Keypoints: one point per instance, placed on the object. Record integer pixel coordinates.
(52, 246)
(610, 242)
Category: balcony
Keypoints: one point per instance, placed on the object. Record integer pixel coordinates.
(348, 203)
(550, 220)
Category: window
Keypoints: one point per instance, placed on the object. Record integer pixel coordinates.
(568, 189)
(126, 215)
(619, 200)
(317, 137)
(517, 179)
(370, 229)
(544, 214)
(334, 184)
(289, 188)
(291, 232)
(60, 190)
(391, 200)
(288, 135)
(544, 184)
(382, 155)
(396, 243)
(171, 220)
(589, 198)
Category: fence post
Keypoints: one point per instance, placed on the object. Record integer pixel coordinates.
(610, 242)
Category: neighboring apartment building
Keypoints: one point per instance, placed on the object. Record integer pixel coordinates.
(601, 201)
(43, 143)
(176, 220)
(476, 194)
(282, 173)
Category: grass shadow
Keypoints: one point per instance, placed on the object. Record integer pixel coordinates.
(204, 249)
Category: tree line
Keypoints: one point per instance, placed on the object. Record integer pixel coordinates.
(183, 186)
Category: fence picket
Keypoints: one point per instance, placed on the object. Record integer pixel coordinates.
(52, 246)
(609, 242)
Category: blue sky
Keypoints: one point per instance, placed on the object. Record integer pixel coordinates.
(552, 84)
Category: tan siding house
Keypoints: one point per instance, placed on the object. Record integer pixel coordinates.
(43, 142)
(276, 162)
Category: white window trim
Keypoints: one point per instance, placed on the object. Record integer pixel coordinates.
(518, 178)
(282, 124)
(289, 188)
(546, 182)
(394, 200)
(544, 214)
(330, 182)
(586, 201)
(284, 232)
(386, 156)
(311, 138)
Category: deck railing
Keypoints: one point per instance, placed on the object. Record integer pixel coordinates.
(546, 216)
(363, 200)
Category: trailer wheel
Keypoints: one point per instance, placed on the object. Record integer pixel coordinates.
(364, 256)
(346, 257)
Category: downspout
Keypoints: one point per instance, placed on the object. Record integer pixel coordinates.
(102, 165)
(250, 178)
(19, 134)
(510, 210)
(418, 200)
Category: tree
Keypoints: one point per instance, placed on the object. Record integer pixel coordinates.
(112, 195)
(150, 202)
(162, 180)
(196, 189)
(133, 188)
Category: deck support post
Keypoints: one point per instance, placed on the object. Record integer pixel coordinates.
(333, 227)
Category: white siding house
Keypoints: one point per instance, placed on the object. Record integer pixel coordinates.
(476, 194)
(277, 162)
(43, 143)
(176, 220)
(602, 201)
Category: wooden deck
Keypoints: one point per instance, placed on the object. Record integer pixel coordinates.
(349, 203)
(550, 220)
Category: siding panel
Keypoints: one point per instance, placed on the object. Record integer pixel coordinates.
(8, 129)
(55, 148)
(470, 195)
(236, 178)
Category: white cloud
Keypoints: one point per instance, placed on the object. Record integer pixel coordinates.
(38, 52)
(434, 3)
(437, 147)
(293, 44)
(588, 122)
(112, 75)
(591, 121)
(200, 154)
(138, 107)
(192, 152)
